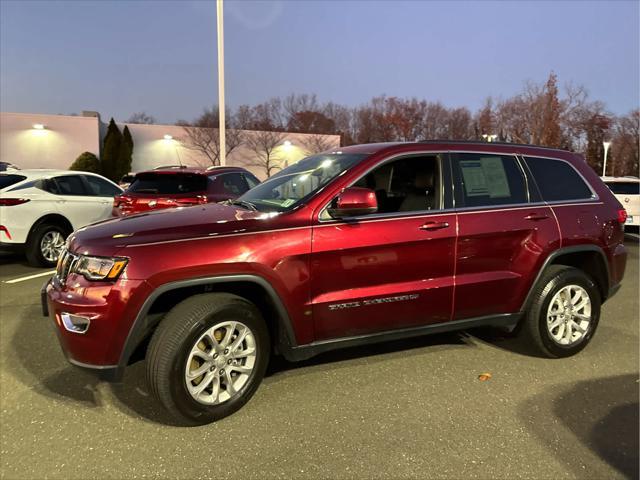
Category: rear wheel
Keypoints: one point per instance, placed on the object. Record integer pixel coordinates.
(208, 357)
(564, 312)
(45, 245)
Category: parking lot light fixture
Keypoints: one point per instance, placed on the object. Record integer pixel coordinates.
(38, 126)
(168, 137)
(489, 138)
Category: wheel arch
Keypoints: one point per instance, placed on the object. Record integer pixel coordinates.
(252, 287)
(55, 219)
(591, 259)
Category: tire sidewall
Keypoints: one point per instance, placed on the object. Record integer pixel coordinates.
(185, 403)
(571, 277)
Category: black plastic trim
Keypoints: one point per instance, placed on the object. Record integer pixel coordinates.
(564, 251)
(303, 352)
(139, 328)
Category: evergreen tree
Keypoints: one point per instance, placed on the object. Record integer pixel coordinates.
(125, 154)
(86, 162)
(111, 151)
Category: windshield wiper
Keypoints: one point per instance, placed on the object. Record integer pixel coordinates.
(243, 203)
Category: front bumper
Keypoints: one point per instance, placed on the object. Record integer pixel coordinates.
(111, 307)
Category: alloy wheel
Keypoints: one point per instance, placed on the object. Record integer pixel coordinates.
(220, 362)
(52, 245)
(569, 315)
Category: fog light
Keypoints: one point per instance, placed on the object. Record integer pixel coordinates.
(75, 323)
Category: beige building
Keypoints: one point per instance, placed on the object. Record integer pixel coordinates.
(55, 141)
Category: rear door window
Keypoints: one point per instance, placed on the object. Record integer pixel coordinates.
(557, 180)
(70, 185)
(624, 188)
(486, 179)
(168, 183)
(8, 180)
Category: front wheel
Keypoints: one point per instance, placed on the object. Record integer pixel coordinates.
(208, 357)
(563, 314)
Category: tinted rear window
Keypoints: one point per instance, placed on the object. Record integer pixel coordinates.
(624, 188)
(557, 180)
(7, 180)
(168, 183)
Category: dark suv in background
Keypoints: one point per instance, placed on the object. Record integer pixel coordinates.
(371, 243)
(179, 186)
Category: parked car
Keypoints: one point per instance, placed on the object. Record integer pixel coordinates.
(6, 166)
(369, 244)
(40, 208)
(627, 191)
(178, 187)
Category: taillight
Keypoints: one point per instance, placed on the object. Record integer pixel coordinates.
(10, 202)
(6, 232)
(622, 216)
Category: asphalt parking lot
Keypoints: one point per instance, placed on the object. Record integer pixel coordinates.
(413, 409)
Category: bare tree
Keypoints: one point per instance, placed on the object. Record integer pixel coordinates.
(316, 143)
(141, 118)
(264, 145)
(203, 136)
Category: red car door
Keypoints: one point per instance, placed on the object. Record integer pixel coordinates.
(392, 269)
(504, 234)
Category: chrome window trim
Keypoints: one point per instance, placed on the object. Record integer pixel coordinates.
(594, 194)
(413, 213)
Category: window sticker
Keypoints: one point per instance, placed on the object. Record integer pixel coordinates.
(495, 177)
(485, 177)
(475, 183)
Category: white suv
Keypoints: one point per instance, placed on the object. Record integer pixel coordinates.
(627, 191)
(40, 208)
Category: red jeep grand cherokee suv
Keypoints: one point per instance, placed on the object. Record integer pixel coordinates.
(368, 244)
(179, 187)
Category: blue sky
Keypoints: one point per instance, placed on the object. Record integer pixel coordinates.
(119, 57)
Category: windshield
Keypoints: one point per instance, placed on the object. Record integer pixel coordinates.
(292, 185)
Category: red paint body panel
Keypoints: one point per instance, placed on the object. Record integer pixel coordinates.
(399, 273)
(383, 258)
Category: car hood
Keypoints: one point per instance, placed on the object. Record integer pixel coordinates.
(210, 219)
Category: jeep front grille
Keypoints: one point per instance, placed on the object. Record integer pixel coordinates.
(65, 265)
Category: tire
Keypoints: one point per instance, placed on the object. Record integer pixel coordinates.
(183, 330)
(539, 331)
(37, 255)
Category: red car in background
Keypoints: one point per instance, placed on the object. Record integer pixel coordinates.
(182, 186)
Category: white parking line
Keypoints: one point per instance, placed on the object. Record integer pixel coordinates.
(29, 277)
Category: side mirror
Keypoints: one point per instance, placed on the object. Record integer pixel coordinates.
(354, 201)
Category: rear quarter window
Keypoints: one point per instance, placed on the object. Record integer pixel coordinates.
(557, 180)
(8, 180)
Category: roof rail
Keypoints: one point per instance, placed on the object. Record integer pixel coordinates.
(480, 142)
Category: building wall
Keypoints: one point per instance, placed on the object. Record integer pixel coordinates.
(57, 146)
(66, 137)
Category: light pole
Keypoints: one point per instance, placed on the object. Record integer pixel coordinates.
(221, 109)
(606, 150)
(489, 138)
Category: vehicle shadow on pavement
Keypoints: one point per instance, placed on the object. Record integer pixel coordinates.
(367, 353)
(37, 361)
(601, 413)
(134, 398)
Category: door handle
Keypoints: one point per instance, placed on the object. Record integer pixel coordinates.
(429, 226)
(535, 217)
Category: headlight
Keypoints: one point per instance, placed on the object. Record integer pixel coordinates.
(99, 268)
